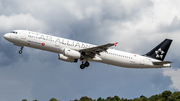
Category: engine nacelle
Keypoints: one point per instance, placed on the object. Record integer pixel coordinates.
(72, 53)
(65, 58)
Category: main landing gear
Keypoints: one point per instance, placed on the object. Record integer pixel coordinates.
(83, 65)
(20, 51)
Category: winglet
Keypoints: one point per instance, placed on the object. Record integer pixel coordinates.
(115, 44)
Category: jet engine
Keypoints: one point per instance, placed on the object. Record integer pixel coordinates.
(72, 54)
(65, 58)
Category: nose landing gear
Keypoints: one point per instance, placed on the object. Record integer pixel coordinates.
(20, 51)
(83, 65)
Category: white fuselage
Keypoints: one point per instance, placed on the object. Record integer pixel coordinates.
(56, 44)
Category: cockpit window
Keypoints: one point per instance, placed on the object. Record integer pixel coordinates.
(14, 32)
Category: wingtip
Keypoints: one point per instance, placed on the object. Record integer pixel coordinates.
(115, 44)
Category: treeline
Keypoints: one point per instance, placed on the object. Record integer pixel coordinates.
(164, 96)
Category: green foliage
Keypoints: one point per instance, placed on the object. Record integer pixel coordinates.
(85, 98)
(174, 96)
(153, 98)
(161, 99)
(100, 99)
(143, 98)
(53, 99)
(165, 96)
(116, 98)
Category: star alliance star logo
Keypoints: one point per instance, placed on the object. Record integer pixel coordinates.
(159, 53)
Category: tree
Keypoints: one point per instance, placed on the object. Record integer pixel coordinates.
(174, 96)
(108, 98)
(76, 100)
(136, 99)
(143, 98)
(85, 98)
(115, 98)
(24, 100)
(161, 99)
(53, 99)
(100, 99)
(153, 98)
(166, 94)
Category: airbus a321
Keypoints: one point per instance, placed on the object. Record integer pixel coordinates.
(72, 51)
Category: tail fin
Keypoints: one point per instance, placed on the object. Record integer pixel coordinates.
(159, 52)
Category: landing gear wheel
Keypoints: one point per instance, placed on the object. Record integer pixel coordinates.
(20, 52)
(86, 64)
(82, 66)
(82, 57)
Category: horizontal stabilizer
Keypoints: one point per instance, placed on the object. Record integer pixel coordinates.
(161, 62)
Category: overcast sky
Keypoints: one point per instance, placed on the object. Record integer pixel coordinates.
(138, 26)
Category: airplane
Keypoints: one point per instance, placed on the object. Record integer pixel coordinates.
(72, 51)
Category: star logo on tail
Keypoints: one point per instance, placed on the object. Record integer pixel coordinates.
(159, 53)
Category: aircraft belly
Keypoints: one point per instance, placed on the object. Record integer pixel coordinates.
(129, 63)
(119, 62)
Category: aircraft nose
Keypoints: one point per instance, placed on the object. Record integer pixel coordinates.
(7, 36)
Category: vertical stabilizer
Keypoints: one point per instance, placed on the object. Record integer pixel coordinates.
(160, 51)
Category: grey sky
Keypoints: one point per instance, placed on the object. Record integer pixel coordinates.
(138, 26)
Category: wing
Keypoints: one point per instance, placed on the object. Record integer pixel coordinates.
(97, 49)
